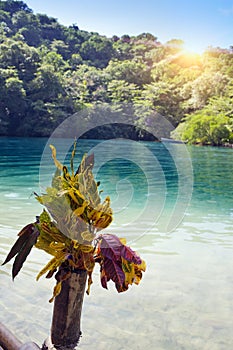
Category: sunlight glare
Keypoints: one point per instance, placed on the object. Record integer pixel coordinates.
(192, 49)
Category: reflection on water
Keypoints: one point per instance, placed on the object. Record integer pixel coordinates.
(185, 298)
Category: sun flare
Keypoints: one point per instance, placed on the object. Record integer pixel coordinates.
(189, 49)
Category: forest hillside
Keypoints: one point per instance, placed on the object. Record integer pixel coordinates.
(49, 71)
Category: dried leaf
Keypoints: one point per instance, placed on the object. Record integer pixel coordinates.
(87, 236)
(53, 264)
(54, 155)
(57, 246)
(80, 210)
(87, 162)
(88, 261)
(128, 254)
(89, 283)
(24, 251)
(56, 291)
(50, 273)
(123, 241)
(118, 263)
(111, 246)
(72, 158)
(104, 279)
(19, 244)
(129, 271)
(133, 272)
(113, 270)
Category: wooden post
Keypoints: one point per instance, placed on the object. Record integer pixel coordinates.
(66, 330)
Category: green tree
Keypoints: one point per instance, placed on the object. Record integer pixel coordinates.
(164, 98)
(123, 49)
(74, 39)
(16, 53)
(13, 6)
(56, 61)
(28, 25)
(46, 85)
(56, 70)
(97, 50)
(204, 87)
(155, 55)
(122, 91)
(61, 48)
(206, 129)
(131, 71)
(174, 46)
(86, 84)
(164, 71)
(15, 104)
(5, 18)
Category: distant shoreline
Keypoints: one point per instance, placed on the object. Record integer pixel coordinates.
(225, 145)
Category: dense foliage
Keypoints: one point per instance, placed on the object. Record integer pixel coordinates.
(49, 71)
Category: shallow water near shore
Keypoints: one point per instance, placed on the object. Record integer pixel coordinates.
(185, 298)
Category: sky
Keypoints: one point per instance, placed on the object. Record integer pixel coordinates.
(200, 23)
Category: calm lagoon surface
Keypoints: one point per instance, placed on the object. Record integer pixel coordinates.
(173, 203)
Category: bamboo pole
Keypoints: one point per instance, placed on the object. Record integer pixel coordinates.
(66, 322)
(8, 341)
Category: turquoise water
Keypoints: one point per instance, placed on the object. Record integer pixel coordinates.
(173, 204)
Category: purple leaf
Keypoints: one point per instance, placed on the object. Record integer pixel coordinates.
(104, 281)
(128, 254)
(113, 270)
(24, 251)
(23, 237)
(111, 246)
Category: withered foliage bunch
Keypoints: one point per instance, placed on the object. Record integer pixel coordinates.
(68, 229)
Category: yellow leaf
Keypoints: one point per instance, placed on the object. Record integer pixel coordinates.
(94, 215)
(103, 222)
(57, 245)
(76, 244)
(123, 241)
(66, 174)
(79, 211)
(86, 248)
(56, 291)
(138, 272)
(44, 244)
(133, 272)
(137, 279)
(89, 262)
(72, 158)
(87, 236)
(54, 155)
(83, 247)
(126, 265)
(44, 217)
(52, 265)
(129, 271)
(73, 192)
(39, 198)
(142, 266)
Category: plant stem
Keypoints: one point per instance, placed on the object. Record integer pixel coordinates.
(65, 331)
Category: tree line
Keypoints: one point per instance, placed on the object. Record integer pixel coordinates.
(49, 71)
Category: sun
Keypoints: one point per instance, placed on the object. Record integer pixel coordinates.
(190, 56)
(193, 49)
